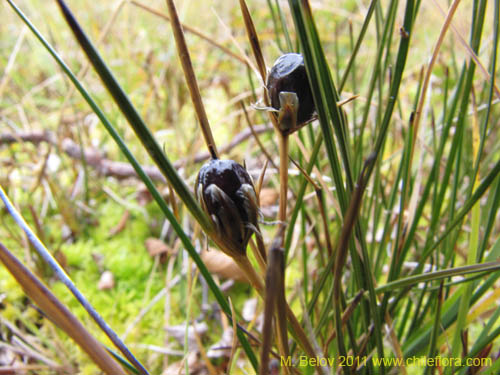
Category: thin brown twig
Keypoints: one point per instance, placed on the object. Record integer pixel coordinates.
(484, 72)
(254, 133)
(427, 78)
(319, 195)
(283, 150)
(192, 30)
(191, 81)
(234, 342)
(120, 170)
(254, 40)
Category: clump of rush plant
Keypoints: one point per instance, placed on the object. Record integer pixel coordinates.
(383, 254)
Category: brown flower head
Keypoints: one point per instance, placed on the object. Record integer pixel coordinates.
(226, 193)
(290, 92)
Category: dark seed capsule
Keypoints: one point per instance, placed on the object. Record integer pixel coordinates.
(288, 75)
(226, 192)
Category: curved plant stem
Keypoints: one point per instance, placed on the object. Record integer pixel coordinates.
(257, 282)
(59, 313)
(280, 298)
(162, 162)
(193, 31)
(283, 150)
(65, 279)
(187, 67)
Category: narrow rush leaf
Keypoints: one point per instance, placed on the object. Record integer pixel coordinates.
(321, 108)
(376, 71)
(135, 120)
(284, 27)
(61, 275)
(428, 72)
(438, 275)
(478, 193)
(156, 196)
(432, 351)
(59, 313)
(342, 251)
(275, 24)
(359, 41)
(404, 45)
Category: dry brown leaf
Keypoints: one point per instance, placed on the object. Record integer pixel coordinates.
(222, 265)
(268, 197)
(155, 246)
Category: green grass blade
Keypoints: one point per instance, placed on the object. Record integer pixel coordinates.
(438, 275)
(419, 340)
(302, 30)
(359, 41)
(135, 120)
(478, 193)
(147, 181)
(435, 329)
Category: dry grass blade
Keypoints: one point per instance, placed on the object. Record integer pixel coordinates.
(283, 150)
(260, 181)
(348, 100)
(349, 221)
(428, 73)
(255, 135)
(470, 51)
(254, 40)
(187, 67)
(10, 63)
(275, 303)
(321, 200)
(192, 30)
(269, 308)
(235, 338)
(277, 261)
(345, 316)
(59, 313)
